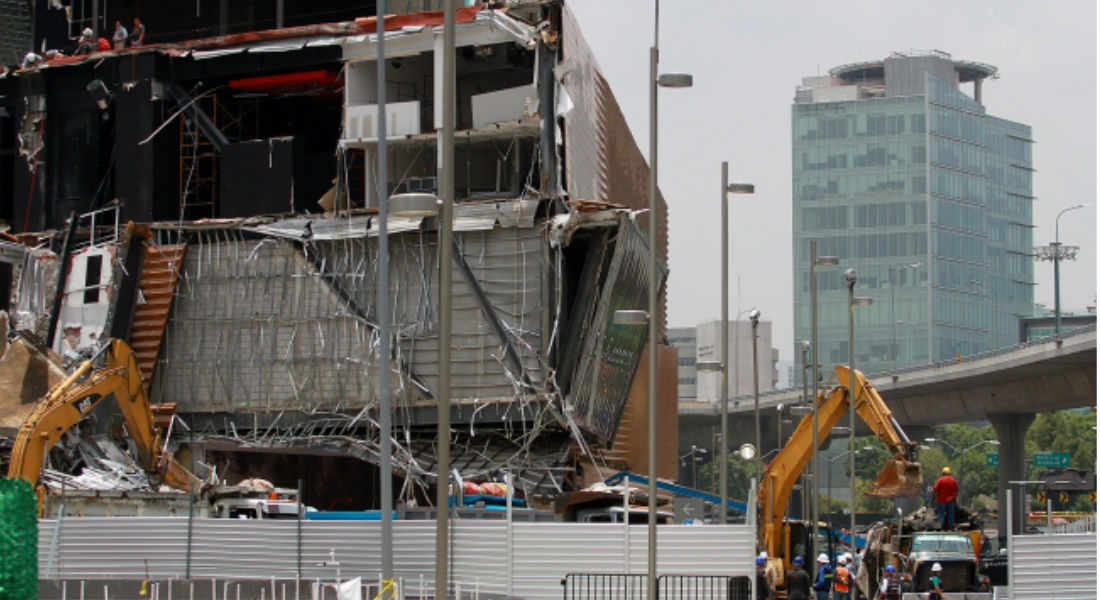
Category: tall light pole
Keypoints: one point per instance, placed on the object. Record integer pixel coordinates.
(805, 345)
(853, 389)
(754, 318)
(446, 160)
(1056, 253)
(666, 80)
(385, 416)
(815, 262)
(893, 319)
(737, 188)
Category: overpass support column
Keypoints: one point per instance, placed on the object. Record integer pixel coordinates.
(1011, 462)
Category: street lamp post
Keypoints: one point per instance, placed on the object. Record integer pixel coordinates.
(805, 345)
(1056, 253)
(694, 454)
(665, 80)
(737, 188)
(446, 257)
(815, 262)
(853, 390)
(754, 317)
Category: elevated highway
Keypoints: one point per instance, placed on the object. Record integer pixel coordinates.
(1049, 374)
(1007, 387)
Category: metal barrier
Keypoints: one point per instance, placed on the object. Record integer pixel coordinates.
(703, 587)
(632, 586)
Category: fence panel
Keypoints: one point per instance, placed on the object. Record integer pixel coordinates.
(541, 553)
(1053, 567)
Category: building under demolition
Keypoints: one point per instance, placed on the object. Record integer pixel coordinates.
(247, 167)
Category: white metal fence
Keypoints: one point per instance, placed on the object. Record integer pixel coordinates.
(1052, 566)
(520, 559)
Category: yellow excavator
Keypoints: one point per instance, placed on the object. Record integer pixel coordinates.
(901, 476)
(72, 399)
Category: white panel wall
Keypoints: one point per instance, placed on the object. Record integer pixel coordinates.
(1053, 567)
(542, 553)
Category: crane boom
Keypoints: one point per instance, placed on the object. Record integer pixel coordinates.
(901, 476)
(72, 399)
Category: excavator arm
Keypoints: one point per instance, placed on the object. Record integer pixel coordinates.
(72, 399)
(901, 476)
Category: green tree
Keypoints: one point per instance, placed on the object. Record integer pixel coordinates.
(739, 473)
(1072, 431)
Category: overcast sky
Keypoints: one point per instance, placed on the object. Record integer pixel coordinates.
(747, 58)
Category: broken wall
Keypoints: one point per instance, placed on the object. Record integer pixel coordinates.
(259, 325)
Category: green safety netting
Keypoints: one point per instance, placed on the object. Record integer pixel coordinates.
(19, 539)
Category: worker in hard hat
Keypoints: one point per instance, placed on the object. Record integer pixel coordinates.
(797, 580)
(890, 586)
(934, 582)
(761, 579)
(946, 490)
(770, 574)
(842, 579)
(824, 582)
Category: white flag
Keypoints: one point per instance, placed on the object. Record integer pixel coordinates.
(351, 589)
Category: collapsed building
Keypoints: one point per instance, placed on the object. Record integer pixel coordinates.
(246, 282)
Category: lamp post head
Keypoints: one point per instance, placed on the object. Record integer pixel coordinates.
(851, 277)
(675, 80)
(754, 316)
(747, 451)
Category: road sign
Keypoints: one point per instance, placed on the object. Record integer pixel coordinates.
(688, 509)
(1040, 496)
(991, 459)
(1051, 459)
(1063, 497)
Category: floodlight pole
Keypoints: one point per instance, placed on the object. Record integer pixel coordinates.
(446, 257)
(724, 389)
(385, 417)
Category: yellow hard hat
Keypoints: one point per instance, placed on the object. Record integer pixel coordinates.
(946, 470)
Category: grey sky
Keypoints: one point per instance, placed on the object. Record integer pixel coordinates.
(747, 58)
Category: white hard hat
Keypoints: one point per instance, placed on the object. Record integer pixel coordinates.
(842, 560)
(822, 558)
(764, 554)
(87, 32)
(937, 567)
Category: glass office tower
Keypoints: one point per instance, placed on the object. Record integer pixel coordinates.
(906, 178)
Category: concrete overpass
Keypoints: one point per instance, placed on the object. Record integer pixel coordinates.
(1007, 387)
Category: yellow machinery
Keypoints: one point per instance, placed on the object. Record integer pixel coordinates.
(901, 476)
(72, 400)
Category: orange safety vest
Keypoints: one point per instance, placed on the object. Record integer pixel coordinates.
(841, 579)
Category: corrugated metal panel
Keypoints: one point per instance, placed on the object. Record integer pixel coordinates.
(601, 384)
(603, 161)
(1054, 567)
(542, 553)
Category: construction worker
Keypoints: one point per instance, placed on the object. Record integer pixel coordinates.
(890, 587)
(798, 581)
(946, 490)
(935, 592)
(761, 579)
(770, 574)
(824, 581)
(842, 580)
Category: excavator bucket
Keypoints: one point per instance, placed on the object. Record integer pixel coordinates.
(898, 478)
